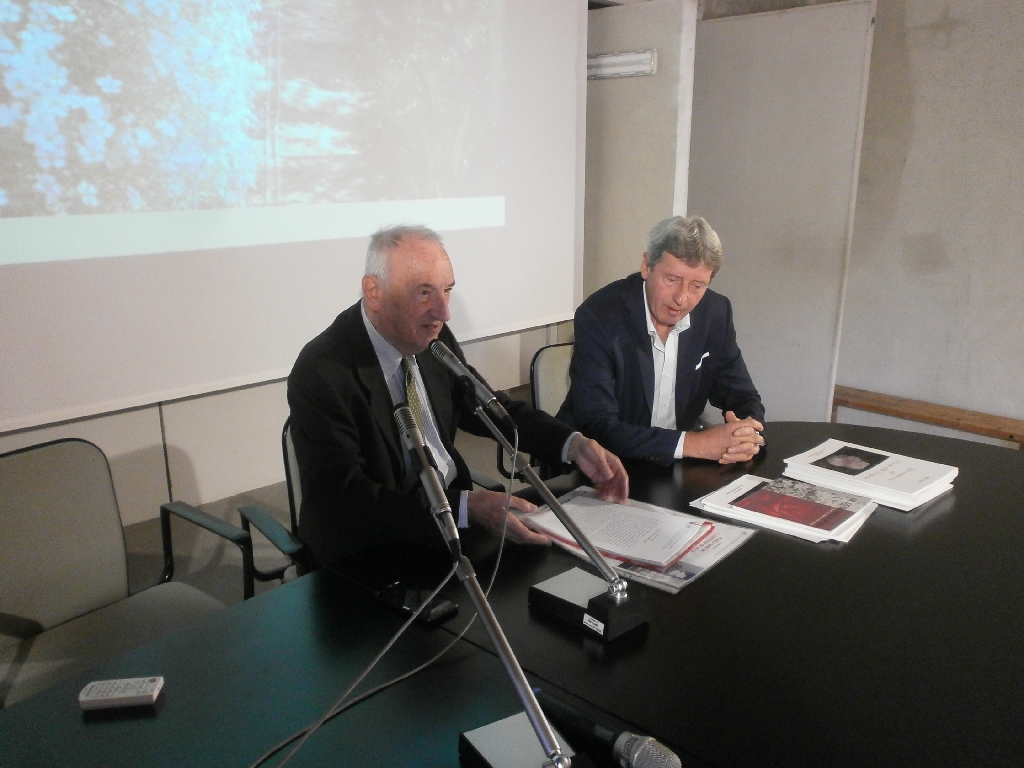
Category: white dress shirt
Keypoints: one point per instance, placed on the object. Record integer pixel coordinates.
(666, 355)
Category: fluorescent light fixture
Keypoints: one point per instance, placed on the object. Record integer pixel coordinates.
(631, 64)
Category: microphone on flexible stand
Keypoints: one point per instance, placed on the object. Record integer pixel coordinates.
(625, 749)
(423, 463)
(480, 391)
(412, 441)
(602, 605)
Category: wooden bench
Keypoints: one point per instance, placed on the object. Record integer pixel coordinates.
(1001, 427)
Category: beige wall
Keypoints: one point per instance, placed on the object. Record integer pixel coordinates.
(224, 443)
(637, 135)
(206, 448)
(132, 444)
(777, 114)
(933, 308)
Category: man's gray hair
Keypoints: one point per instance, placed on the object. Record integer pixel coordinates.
(689, 238)
(386, 240)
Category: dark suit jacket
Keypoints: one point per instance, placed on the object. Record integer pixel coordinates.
(612, 371)
(356, 494)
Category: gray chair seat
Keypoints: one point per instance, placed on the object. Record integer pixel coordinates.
(34, 664)
(64, 602)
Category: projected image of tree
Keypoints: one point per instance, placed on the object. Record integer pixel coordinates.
(158, 105)
(129, 106)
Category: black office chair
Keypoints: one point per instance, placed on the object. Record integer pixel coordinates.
(549, 384)
(291, 474)
(285, 540)
(64, 601)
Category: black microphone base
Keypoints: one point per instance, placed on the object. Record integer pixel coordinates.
(510, 743)
(581, 599)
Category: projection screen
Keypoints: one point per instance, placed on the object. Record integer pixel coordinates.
(187, 186)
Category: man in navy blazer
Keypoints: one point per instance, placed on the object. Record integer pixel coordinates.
(654, 348)
(358, 492)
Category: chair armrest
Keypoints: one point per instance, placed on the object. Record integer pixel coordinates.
(270, 527)
(232, 533)
(279, 536)
(225, 530)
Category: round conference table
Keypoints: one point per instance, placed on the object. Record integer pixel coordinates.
(903, 647)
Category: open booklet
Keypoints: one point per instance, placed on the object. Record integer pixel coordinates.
(797, 508)
(652, 545)
(897, 481)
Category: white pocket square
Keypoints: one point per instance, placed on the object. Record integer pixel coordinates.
(701, 361)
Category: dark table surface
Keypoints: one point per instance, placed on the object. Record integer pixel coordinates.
(243, 680)
(902, 647)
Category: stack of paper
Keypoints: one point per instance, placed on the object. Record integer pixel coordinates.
(887, 478)
(636, 533)
(709, 550)
(790, 506)
(624, 533)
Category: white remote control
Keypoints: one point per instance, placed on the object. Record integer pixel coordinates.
(128, 692)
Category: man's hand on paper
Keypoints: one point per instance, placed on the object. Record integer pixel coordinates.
(735, 441)
(487, 509)
(602, 467)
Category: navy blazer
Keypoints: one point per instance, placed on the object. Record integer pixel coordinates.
(356, 493)
(611, 390)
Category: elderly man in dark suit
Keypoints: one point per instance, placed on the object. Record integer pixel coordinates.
(653, 349)
(357, 490)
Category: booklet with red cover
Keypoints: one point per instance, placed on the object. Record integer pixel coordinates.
(812, 512)
(771, 500)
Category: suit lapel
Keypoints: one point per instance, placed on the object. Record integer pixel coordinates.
(692, 342)
(371, 378)
(637, 307)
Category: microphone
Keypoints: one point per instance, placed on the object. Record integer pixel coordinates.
(626, 750)
(413, 442)
(483, 394)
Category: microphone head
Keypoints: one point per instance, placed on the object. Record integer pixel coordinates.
(404, 417)
(632, 751)
(439, 350)
(410, 432)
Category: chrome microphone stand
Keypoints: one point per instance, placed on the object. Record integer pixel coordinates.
(616, 584)
(441, 512)
(573, 599)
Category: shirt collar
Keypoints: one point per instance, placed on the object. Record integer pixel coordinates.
(682, 325)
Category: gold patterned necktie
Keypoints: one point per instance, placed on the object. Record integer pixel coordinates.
(411, 394)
